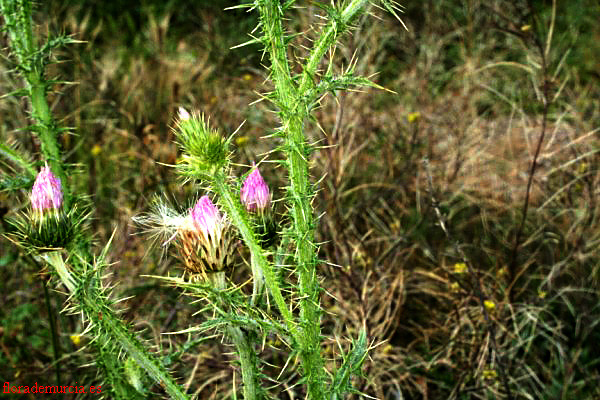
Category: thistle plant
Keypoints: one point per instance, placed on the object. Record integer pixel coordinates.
(203, 237)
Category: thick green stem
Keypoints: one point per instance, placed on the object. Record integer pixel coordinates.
(248, 363)
(53, 332)
(293, 113)
(310, 309)
(17, 15)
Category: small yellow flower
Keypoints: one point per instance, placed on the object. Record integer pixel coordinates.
(97, 149)
(583, 168)
(542, 294)
(489, 305)
(460, 268)
(413, 116)
(489, 374)
(454, 287)
(525, 28)
(502, 271)
(247, 77)
(76, 339)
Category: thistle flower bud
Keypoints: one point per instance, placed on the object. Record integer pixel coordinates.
(255, 193)
(204, 239)
(205, 150)
(46, 194)
(49, 226)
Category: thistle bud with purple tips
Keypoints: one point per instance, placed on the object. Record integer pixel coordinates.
(256, 197)
(255, 193)
(47, 226)
(46, 195)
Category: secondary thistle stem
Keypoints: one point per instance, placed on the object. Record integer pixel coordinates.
(93, 305)
(233, 208)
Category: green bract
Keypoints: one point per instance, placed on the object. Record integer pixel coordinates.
(205, 151)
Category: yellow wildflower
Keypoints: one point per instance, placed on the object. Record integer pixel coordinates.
(489, 374)
(97, 149)
(460, 268)
(454, 287)
(413, 116)
(76, 339)
(242, 140)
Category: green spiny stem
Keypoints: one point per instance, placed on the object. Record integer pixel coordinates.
(327, 38)
(234, 209)
(53, 332)
(310, 310)
(93, 304)
(248, 363)
(17, 14)
(47, 131)
(293, 114)
(245, 351)
(271, 16)
(103, 316)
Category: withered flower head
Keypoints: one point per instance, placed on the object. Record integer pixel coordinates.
(203, 239)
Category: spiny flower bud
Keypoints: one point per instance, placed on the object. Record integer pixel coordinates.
(49, 226)
(255, 192)
(205, 150)
(256, 197)
(46, 194)
(204, 239)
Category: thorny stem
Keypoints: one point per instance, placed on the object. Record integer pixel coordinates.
(292, 113)
(247, 358)
(97, 311)
(17, 14)
(233, 208)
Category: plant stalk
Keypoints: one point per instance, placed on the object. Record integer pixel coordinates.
(53, 333)
(96, 309)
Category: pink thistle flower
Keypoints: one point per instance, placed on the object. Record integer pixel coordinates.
(255, 193)
(47, 191)
(206, 217)
(204, 239)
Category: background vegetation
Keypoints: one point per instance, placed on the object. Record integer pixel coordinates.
(475, 85)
